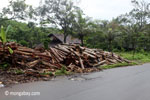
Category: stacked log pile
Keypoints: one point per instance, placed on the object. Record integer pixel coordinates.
(74, 57)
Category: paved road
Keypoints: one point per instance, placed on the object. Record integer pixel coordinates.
(127, 83)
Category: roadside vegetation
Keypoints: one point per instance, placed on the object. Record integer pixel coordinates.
(128, 34)
(118, 65)
(138, 58)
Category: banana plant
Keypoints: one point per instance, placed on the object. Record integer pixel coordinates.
(3, 38)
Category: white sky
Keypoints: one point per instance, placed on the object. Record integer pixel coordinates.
(98, 9)
(105, 9)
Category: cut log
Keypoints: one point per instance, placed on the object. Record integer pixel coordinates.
(100, 63)
(81, 62)
(70, 55)
(33, 63)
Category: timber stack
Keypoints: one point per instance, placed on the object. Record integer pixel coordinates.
(74, 57)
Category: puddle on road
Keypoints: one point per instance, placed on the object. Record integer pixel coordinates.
(82, 78)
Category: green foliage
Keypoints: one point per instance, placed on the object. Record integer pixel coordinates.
(17, 9)
(18, 71)
(139, 57)
(62, 71)
(4, 65)
(128, 32)
(27, 36)
(60, 13)
(8, 29)
(11, 40)
(46, 43)
(81, 26)
(118, 65)
(10, 50)
(23, 42)
(3, 34)
(47, 73)
(142, 57)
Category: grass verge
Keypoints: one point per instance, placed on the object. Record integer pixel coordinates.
(138, 58)
(118, 65)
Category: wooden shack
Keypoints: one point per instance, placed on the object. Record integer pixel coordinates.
(59, 39)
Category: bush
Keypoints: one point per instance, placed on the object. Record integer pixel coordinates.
(24, 43)
(46, 43)
(139, 56)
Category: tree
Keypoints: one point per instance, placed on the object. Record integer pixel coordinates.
(60, 13)
(133, 24)
(16, 10)
(81, 26)
(97, 38)
(140, 14)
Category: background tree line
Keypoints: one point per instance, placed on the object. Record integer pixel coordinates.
(30, 26)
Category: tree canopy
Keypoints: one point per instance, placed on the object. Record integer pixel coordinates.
(30, 26)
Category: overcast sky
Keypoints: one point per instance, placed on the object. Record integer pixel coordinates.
(98, 9)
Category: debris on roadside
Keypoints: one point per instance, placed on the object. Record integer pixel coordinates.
(55, 57)
(43, 63)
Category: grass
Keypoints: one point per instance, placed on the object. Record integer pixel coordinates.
(60, 72)
(118, 65)
(18, 71)
(4, 66)
(47, 73)
(139, 58)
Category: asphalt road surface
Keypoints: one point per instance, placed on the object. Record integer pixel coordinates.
(126, 83)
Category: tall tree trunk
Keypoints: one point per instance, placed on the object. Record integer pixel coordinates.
(134, 50)
(82, 40)
(81, 36)
(65, 38)
(134, 47)
(109, 46)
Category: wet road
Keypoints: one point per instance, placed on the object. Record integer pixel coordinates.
(126, 83)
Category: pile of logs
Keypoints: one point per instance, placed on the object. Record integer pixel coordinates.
(71, 56)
